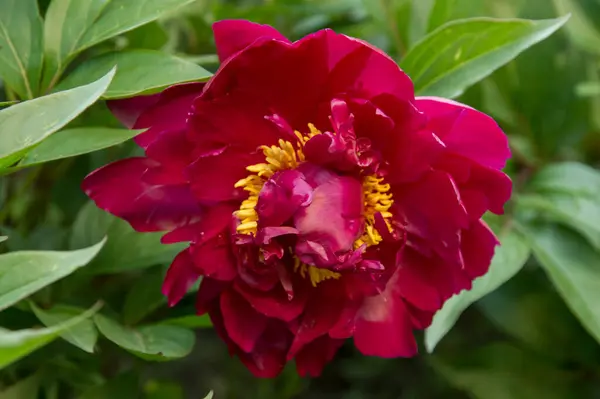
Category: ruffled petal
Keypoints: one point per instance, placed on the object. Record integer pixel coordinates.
(167, 110)
(275, 303)
(466, 131)
(427, 282)
(314, 356)
(383, 325)
(267, 359)
(180, 277)
(214, 258)
(433, 211)
(213, 177)
(119, 189)
(233, 35)
(244, 325)
(367, 72)
(477, 246)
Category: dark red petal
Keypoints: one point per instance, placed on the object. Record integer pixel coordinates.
(427, 282)
(236, 121)
(268, 357)
(170, 111)
(281, 196)
(128, 110)
(214, 258)
(466, 131)
(339, 201)
(214, 220)
(274, 303)
(208, 294)
(119, 188)
(322, 312)
(368, 72)
(180, 277)
(233, 35)
(314, 356)
(409, 152)
(494, 184)
(477, 245)
(433, 211)
(383, 325)
(213, 177)
(244, 325)
(173, 151)
(258, 73)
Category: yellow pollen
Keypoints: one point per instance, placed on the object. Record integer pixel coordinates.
(286, 155)
(315, 274)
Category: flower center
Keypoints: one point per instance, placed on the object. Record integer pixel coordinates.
(287, 156)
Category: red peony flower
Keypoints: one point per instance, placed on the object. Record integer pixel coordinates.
(321, 199)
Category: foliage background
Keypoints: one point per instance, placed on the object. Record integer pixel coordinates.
(534, 337)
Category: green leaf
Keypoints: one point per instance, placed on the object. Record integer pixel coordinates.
(123, 386)
(461, 53)
(65, 24)
(192, 321)
(508, 260)
(580, 28)
(153, 342)
(163, 390)
(572, 265)
(120, 16)
(21, 55)
(25, 272)
(500, 371)
(578, 212)
(567, 193)
(16, 344)
(26, 124)
(138, 72)
(83, 335)
(25, 388)
(567, 177)
(144, 297)
(125, 249)
(72, 142)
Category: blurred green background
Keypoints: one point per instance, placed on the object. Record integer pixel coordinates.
(519, 342)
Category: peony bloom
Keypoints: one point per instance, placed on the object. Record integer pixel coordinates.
(321, 199)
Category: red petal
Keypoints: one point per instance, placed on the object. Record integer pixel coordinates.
(274, 303)
(287, 79)
(234, 35)
(238, 122)
(213, 177)
(367, 72)
(128, 110)
(169, 112)
(321, 314)
(314, 356)
(208, 294)
(214, 258)
(427, 282)
(244, 325)
(383, 325)
(118, 188)
(268, 357)
(433, 210)
(339, 201)
(466, 131)
(478, 245)
(180, 277)
(214, 220)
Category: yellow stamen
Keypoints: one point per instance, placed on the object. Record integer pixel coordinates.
(315, 274)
